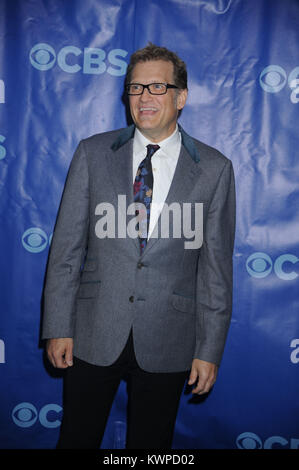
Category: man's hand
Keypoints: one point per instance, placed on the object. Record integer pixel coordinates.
(60, 352)
(206, 372)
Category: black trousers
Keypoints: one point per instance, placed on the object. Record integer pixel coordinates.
(89, 390)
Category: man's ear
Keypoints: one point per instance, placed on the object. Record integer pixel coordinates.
(182, 98)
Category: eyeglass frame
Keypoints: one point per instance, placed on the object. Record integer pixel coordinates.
(168, 85)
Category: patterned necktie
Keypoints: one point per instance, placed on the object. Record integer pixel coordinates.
(143, 190)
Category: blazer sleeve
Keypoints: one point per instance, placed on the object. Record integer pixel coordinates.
(67, 251)
(215, 271)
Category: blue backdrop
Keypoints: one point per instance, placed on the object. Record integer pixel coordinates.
(62, 67)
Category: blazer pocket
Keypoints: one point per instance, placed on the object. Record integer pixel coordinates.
(182, 303)
(88, 289)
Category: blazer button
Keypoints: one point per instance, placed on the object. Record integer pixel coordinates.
(131, 299)
(140, 265)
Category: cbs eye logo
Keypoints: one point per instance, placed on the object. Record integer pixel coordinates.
(260, 265)
(273, 79)
(249, 440)
(25, 415)
(35, 240)
(42, 56)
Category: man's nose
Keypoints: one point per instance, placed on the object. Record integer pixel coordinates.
(145, 94)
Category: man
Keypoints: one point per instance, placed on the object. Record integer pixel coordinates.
(149, 308)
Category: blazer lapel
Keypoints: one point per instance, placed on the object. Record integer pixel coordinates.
(120, 165)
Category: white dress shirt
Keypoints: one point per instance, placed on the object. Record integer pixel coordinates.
(164, 162)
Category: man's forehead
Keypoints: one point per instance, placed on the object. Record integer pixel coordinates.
(153, 67)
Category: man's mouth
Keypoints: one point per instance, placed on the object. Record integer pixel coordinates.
(147, 110)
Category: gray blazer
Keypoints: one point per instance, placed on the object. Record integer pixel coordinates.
(178, 301)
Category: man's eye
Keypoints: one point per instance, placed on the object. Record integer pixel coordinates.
(158, 86)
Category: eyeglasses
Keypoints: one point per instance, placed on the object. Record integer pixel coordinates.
(153, 88)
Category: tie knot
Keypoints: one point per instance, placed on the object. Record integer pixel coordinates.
(151, 149)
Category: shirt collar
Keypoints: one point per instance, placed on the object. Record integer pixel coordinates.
(167, 145)
(188, 142)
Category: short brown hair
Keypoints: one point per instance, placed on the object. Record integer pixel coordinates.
(152, 52)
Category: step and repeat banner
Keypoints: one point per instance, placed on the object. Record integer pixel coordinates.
(62, 68)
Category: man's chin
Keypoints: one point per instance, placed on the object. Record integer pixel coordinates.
(146, 126)
(148, 131)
